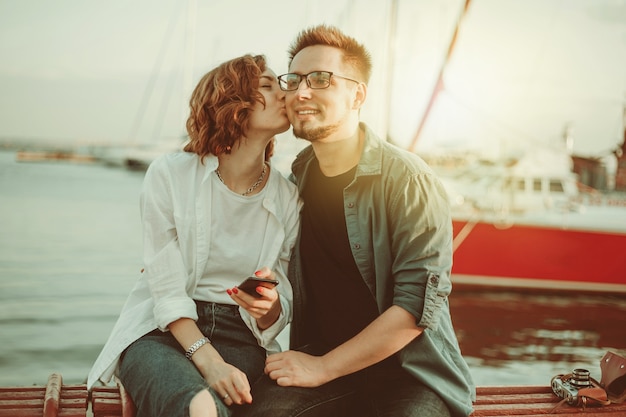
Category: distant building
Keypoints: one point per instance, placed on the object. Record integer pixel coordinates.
(591, 172)
(620, 176)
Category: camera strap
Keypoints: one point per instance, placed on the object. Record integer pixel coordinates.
(613, 367)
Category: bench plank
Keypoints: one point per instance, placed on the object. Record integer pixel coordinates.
(111, 402)
(58, 400)
(532, 401)
(52, 400)
(523, 401)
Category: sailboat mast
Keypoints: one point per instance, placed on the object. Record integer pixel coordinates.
(439, 85)
(390, 54)
(190, 46)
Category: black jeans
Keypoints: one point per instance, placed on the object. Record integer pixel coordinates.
(385, 390)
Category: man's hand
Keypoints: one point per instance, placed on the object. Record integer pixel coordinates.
(292, 368)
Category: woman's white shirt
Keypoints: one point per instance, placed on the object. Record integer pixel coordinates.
(178, 221)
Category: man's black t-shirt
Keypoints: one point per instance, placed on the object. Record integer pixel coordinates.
(341, 303)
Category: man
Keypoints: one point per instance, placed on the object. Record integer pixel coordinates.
(371, 271)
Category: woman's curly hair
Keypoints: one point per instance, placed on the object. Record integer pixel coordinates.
(221, 104)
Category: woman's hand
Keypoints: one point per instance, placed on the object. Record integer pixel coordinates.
(229, 382)
(266, 308)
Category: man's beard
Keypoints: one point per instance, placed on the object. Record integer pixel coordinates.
(316, 133)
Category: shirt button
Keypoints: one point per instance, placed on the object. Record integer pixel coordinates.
(350, 205)
(357, 246)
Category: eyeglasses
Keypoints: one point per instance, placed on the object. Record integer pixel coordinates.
(316, 80)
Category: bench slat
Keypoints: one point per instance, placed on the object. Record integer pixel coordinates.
(52, 400)
(114, 401)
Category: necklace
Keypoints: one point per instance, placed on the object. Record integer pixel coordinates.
(253, 186)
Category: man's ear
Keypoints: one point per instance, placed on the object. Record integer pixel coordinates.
(360, 95)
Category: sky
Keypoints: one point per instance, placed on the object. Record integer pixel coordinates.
(121, 71)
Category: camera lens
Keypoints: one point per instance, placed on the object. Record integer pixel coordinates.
(580, 378)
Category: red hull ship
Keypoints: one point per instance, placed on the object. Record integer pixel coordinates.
(531, 224)
(540, 257)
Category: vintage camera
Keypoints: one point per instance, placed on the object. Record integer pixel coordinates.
(567, 386)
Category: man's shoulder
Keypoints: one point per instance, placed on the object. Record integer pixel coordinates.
(404, 155)
(394, 157)
(301, 158)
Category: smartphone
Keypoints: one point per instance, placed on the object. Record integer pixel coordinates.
(249, 285)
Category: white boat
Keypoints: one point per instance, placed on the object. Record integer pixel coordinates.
(529, 223)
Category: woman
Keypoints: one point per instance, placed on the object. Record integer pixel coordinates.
(188, 342)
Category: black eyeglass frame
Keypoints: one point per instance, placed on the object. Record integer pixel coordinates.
(308, 83)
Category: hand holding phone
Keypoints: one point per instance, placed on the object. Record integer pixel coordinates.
(250, 284)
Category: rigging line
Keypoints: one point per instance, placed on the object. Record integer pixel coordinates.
(439, 85)
(391, 34)
(543, 46)
(165, 101)
(493, 120)
(185, 68)
(90, 37)
(464, 233)
(188, 60)
(156, 69)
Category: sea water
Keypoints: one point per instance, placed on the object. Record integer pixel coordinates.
(70, 250)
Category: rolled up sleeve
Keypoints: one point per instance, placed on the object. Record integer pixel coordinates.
(422, 244)
(267, 338)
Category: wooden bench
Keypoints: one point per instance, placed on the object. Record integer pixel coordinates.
(524, 401)
(52, 400)
(533, 401)
(56, 399)
(111, 401)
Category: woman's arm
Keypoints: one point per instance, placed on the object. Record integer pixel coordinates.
(223, 377)
(162, 203)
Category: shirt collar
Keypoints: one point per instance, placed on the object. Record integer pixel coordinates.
(210, 162)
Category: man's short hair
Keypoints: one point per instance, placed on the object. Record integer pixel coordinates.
(354, 53)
